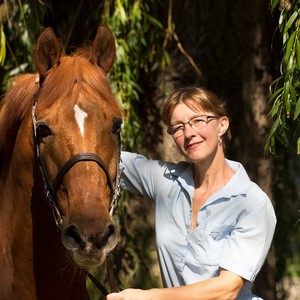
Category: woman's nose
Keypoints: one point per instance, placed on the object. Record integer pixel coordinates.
(189, 131)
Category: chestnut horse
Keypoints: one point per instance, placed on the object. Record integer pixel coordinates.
(59, 154)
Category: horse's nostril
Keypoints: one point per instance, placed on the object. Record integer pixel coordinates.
(105, 237)
(72, 238)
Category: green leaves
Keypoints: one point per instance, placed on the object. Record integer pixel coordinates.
(298, 54)
(290, 21)
(2, 46)
(297, 110)
(285, 90)
(273, 4)
(137, 34)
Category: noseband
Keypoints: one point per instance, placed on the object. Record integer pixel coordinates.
(50, 188)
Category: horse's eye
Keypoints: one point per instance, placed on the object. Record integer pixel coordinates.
(116, 127)
(42, 131)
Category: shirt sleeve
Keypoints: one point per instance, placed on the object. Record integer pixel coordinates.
(140, 174)
(248, 245)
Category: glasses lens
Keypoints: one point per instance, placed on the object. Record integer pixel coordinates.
(177, 130)
(198, 122)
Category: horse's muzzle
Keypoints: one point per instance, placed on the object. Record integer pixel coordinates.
(89, 250)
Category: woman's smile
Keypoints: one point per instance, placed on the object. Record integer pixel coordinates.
(193, 145)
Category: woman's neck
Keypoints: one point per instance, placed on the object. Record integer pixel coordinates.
(212, 174)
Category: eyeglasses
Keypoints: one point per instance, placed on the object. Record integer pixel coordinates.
(197, 123)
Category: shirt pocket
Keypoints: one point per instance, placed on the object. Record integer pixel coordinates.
(206, 245)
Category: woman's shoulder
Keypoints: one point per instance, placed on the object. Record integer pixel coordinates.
(136, 158)
(256, 193)
(245, 185)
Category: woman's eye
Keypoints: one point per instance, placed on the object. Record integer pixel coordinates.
(178, 128)
(43, 131)
(198, 120)
(116, 126)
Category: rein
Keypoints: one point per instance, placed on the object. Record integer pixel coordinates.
(50, 189)
(111, 278)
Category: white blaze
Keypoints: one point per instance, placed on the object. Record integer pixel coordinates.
(80, 116)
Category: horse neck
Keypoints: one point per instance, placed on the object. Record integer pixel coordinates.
(16, 183)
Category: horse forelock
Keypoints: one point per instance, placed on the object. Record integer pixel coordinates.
(76, 70)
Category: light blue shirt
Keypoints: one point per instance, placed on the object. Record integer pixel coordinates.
(235, 225)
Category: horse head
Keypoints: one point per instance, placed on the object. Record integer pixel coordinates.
(76, 122)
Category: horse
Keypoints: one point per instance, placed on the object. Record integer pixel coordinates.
(59, 156)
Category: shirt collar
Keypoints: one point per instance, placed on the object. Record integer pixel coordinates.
(183, 172)
(237, 185)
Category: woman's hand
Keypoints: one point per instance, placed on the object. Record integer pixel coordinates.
(131, 294)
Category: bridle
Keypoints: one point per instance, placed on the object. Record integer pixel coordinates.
(50, 188)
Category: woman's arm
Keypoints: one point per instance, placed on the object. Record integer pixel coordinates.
(226, 286)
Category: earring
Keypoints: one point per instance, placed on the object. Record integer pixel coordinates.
(220, 140)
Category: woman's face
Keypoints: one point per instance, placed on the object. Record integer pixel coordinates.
(198, 144)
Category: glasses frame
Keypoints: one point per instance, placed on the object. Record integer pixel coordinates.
(170, 129)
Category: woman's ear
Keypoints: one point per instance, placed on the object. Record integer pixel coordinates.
(223, 125)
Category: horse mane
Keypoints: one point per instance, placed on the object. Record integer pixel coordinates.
(60, 80)
(14, 106)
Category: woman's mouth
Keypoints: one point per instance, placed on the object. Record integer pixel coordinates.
(192, 146)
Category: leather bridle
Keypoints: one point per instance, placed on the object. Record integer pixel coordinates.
(50, 188)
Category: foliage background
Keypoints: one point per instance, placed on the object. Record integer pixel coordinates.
(285, 89)
(231, 47)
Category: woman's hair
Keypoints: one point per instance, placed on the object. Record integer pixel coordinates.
(197, 99)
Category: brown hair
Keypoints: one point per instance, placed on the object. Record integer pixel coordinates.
(196, 99)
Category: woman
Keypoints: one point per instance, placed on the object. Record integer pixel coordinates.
(214, 226)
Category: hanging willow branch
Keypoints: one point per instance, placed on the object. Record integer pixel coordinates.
(171, 33)
(285, 90)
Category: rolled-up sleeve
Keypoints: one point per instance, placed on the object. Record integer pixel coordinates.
(247, 247)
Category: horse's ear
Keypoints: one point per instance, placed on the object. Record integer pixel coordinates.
(104, 48)
(47, 52)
